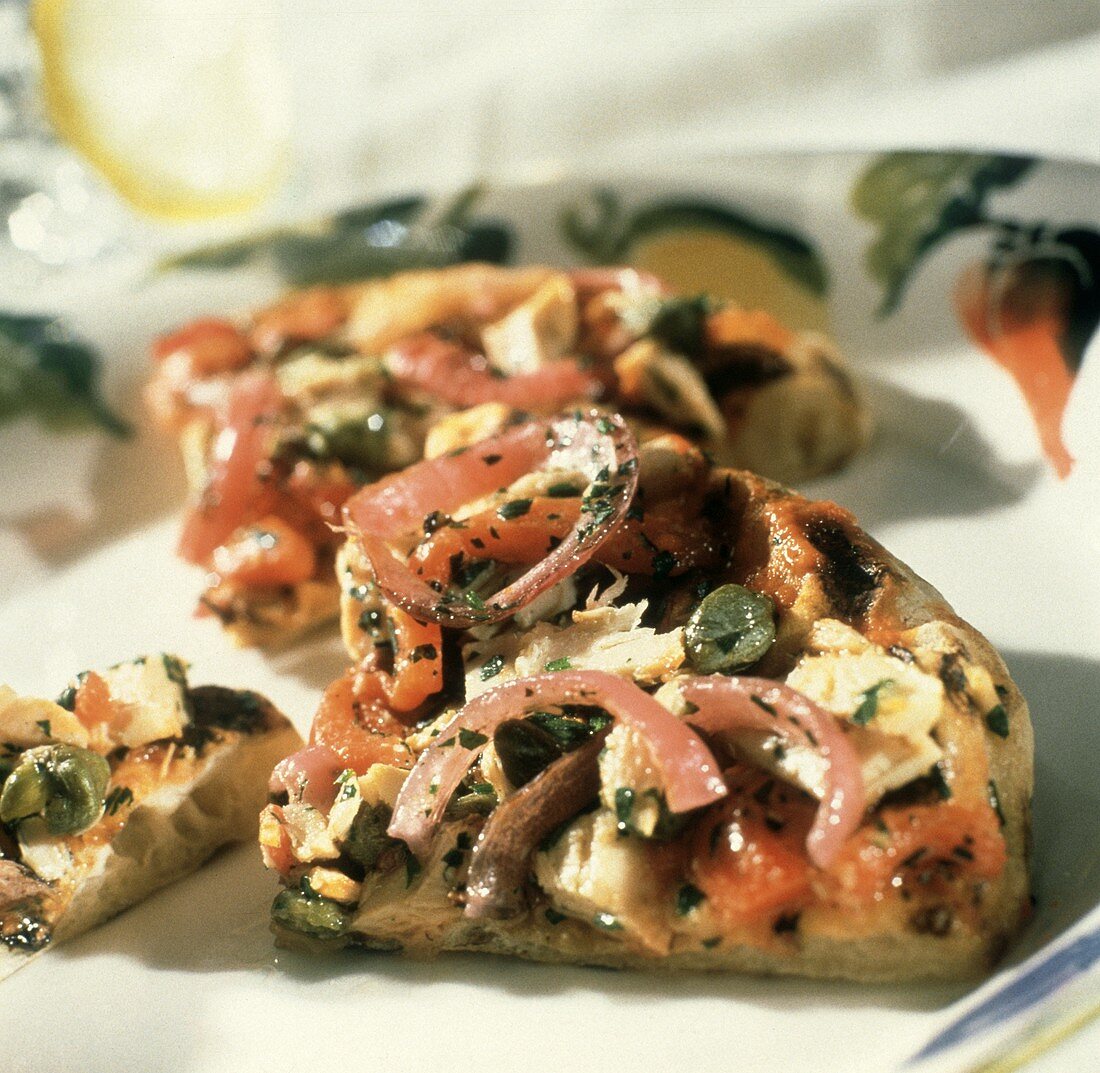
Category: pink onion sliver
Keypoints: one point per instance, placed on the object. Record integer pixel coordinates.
(399, 503)
(691, 776)
(600, 446)
(241, 445)
(463, 378)
(309, 776)
(728, 704)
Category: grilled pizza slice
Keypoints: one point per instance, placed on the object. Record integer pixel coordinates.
(282, 418)
(622, 707)
(127, 782)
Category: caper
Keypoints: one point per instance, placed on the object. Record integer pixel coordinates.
(366, 839)
(359, 441)
(731, 629)
(62, 783)
(310, 914)
(524, 749)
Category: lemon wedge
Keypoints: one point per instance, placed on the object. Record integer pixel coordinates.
(182, 106)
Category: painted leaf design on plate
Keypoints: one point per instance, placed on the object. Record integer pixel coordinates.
(604, 231)
(49, 374)
(1033, 305)
(369, 240)
(916, 200)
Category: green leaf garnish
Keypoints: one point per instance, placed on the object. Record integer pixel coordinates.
(50, 375)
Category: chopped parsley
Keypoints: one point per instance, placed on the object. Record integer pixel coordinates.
(997, 720)
(491, 668)
(624, 807)
(515, 508)
(561, 664)
(118, 798)
(44, 726)
(471, 739)
(553, 916)
(868, 706)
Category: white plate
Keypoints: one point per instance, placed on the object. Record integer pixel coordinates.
(953, 483)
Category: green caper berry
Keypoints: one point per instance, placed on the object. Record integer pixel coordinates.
(26, 791)
(62, 783)
(321, 918)
(731, 629)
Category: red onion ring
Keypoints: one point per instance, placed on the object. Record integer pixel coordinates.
(691, 775)
(600, 446)
(730, 703)
(309, 776)
(462, 377)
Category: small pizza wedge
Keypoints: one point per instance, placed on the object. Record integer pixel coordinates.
(127, 782)
(284, 416)
(615, 705)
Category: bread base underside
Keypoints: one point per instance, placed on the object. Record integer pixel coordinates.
(169, 834)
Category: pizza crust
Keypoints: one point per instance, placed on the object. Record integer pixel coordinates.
(168, 835)
(848, 576)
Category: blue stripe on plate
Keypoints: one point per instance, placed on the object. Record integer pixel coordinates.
(1031, 987)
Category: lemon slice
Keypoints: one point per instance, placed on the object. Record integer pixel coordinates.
(183, 106)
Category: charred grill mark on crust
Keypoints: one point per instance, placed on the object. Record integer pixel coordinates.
(850, 575)
(952, 674)
(935, 920)
(742, 365)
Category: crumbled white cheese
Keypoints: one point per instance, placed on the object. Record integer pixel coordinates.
(148, 700)
(30, 721)
(538, 331)
(593, 873)
(601, 638)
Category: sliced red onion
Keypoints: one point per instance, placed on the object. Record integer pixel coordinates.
(463, 378)
(499, 862)
(309, 776)
(731, 704)
(239, 449)
(691, 775)
(601, 447)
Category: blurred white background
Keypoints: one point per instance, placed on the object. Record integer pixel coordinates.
(392, 96)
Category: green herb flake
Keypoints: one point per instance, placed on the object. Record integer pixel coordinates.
(868, 706)
(44, 726)
(553, 916)
(563, 490)
(561, 664)
(491, 668)
(515, 508)
(118, 798)
(412, 870)
(471, 739)
(761, 703)
(624, 808)
(472, 599)
(687, 898)
(997, 720)
(710, 944)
